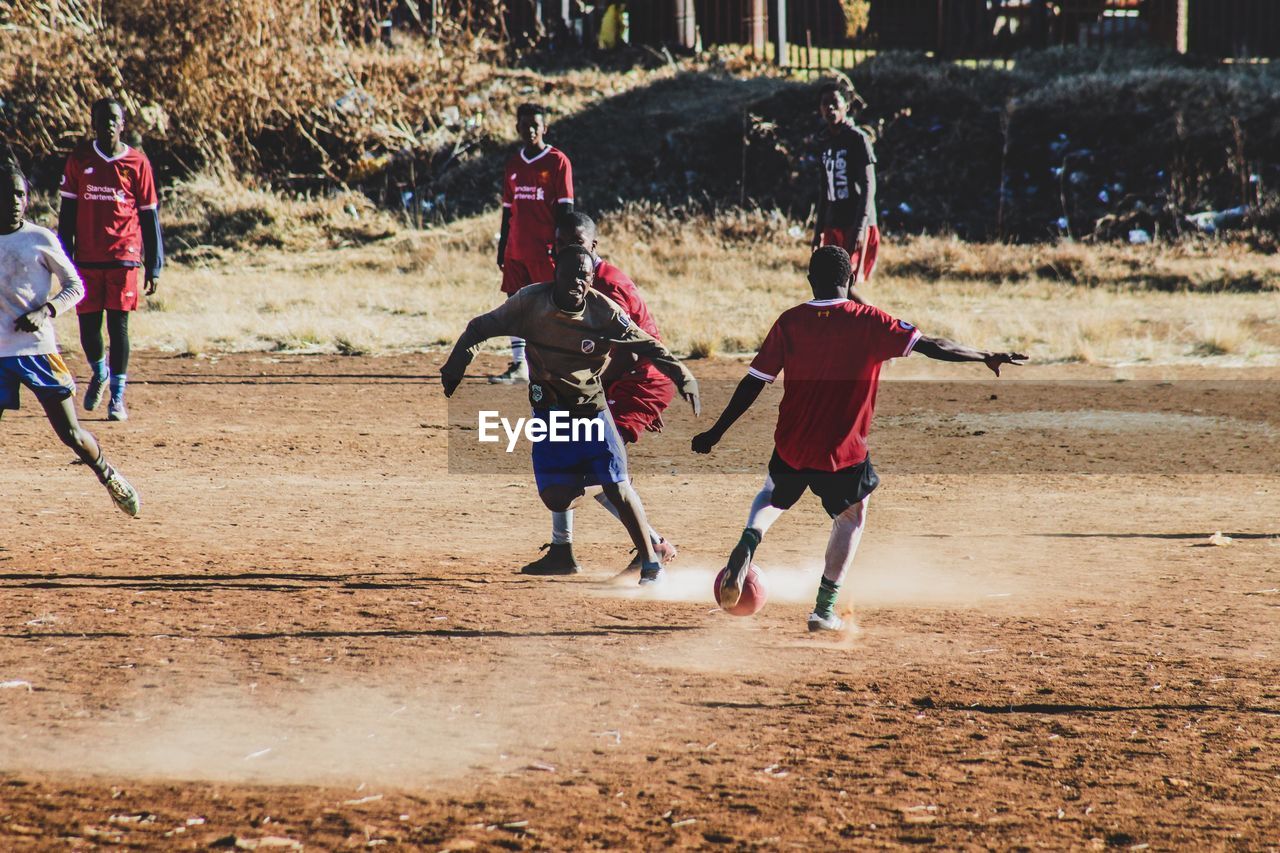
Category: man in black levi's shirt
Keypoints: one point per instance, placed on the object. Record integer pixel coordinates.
(846, 209)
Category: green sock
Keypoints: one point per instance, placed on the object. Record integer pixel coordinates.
(827, 593)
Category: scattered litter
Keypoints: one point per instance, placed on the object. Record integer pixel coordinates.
(795, 232)
(684, 822)
(774, 772)
(1139, 237)
(257, 754)
(1063, 223)
(1272, 591)
(195, 821)
(372, 799)
(543, 766)
(47, 619)
(1219, 539)
(7, 685)
(1213, 221)
(613, 733)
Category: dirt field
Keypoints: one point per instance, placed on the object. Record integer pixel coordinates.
(315, 631)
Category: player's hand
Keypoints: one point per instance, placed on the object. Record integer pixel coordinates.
(691, 397)
(704, 441)
(450, 381)
(32, 320)
(655, 425)
(995, 359)
(153, 282)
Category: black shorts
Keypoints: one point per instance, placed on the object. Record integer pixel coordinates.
(838, 490)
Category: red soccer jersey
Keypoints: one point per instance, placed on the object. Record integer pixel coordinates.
(616, 285)
(831, 350)
(531, 189)
(110, 191)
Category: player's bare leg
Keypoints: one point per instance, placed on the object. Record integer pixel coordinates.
(62, 416)
(846, 533)
(662, 549)
(762, 516)
(632, 515)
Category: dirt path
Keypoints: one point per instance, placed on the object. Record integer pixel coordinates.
(315, 631)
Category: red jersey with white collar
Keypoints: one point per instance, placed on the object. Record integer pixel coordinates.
(531, 189)
(831, 351)
(619, 287)
(109, 192)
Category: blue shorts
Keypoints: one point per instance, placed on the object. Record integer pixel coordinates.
(46, 375)
(598, 456)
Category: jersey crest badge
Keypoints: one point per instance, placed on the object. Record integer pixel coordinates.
(588, 346)
(535, 393)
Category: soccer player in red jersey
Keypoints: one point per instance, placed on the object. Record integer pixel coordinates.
(831, 350)
(110, 227)
(537, 189)
(846, 211)
(30, 259)
(635, 390)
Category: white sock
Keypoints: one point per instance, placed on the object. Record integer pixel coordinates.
(763, 514)
(604, 501)
(562, 527)
(517, 350)
(846, 533)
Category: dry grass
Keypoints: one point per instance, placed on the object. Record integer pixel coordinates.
(714, 292)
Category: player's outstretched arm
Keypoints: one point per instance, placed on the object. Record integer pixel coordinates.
(743, 396)
(636, 340)
(497, 322)
(942, 349)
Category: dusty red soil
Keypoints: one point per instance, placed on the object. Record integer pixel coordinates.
(315, 631)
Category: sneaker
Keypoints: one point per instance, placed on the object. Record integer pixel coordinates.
(664, 551)
(830, 622)
(650, 575)
(93, 395)
(558, 560)
(124, 495)
(517, 371)
(116, 410)
(734, 577)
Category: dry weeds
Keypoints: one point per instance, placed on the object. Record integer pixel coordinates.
(714, 292)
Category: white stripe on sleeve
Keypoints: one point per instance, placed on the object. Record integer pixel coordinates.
(911, 344)
(751, 371)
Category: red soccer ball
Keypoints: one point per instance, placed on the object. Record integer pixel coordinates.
(755, 592)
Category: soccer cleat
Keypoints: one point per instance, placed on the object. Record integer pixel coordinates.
(830, 622)
(116, 410)
(517, 371)
(735, 576)
(558, 560)
(93, 395)
(650, 574)
(122, 493)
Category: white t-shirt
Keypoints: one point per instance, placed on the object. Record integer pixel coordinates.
(30, 259)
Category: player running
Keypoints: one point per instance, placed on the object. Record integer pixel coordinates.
(636, 391)
(831, 349)
(30, 258)
(537, 189)
(109, 224)
(571, 329)
(846, 210)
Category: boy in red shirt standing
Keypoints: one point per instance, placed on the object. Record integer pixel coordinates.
(537, 189)
(831, 349)
(109, 226)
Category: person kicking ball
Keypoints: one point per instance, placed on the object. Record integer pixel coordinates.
(830, 349)
(30, 258)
